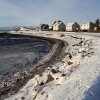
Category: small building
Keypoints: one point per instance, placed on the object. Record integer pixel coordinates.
(59, 26)
(72, 27)
(87, 27)
(43, 27)
(97, 29)
(97, 26)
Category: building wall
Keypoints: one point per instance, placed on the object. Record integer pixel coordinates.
(69, 28)
(59, 27)
(55, 28)
(87, 27)
(72, 27)
(62, 27)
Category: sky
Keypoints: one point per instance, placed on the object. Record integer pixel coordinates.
(34, 12)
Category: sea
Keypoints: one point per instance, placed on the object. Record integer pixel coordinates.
(4, 31)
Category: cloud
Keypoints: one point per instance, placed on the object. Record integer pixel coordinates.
(33, 12)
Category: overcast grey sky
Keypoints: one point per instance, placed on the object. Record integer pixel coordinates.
(34, 12)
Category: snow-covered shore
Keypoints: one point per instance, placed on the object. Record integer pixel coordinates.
(75, 77)
(19, 67)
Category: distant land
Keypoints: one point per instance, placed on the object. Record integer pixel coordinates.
(12, 28)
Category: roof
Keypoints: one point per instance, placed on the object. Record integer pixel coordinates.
(58, 22)
(70, 24)
(87, 23)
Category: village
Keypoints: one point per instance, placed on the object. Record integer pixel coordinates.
(71, 27)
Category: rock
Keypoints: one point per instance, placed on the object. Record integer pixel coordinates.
(69, 62)
(63, 75)
(57, 78)
(6, 73)
(54, 71)
(49, 78)
(81, 42)
(70, 56)
(17, 74)
(41, 83)
(62, 35)
(40, 74)
(42, 92)
(22, 98)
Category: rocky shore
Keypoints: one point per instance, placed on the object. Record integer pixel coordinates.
(14, 82)
(72, 73)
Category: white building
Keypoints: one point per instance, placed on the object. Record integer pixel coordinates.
(59, 26)
(87, 27)
(72, 27)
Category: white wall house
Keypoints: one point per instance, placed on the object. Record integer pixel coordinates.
(72, 27)
(87, 27)
(59, 26)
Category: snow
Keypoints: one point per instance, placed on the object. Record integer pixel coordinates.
(76, 77)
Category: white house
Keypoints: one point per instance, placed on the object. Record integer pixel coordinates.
(72, 27)
(59, 26)
(87, 27)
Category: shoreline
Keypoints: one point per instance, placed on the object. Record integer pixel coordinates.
(74, 74)
(38, 68)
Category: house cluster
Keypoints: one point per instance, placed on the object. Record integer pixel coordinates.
(71, 27)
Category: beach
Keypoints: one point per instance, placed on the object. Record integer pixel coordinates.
(74, 76)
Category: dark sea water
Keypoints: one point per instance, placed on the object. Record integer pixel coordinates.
(19, 52)
(3, 31)
(18, 55)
